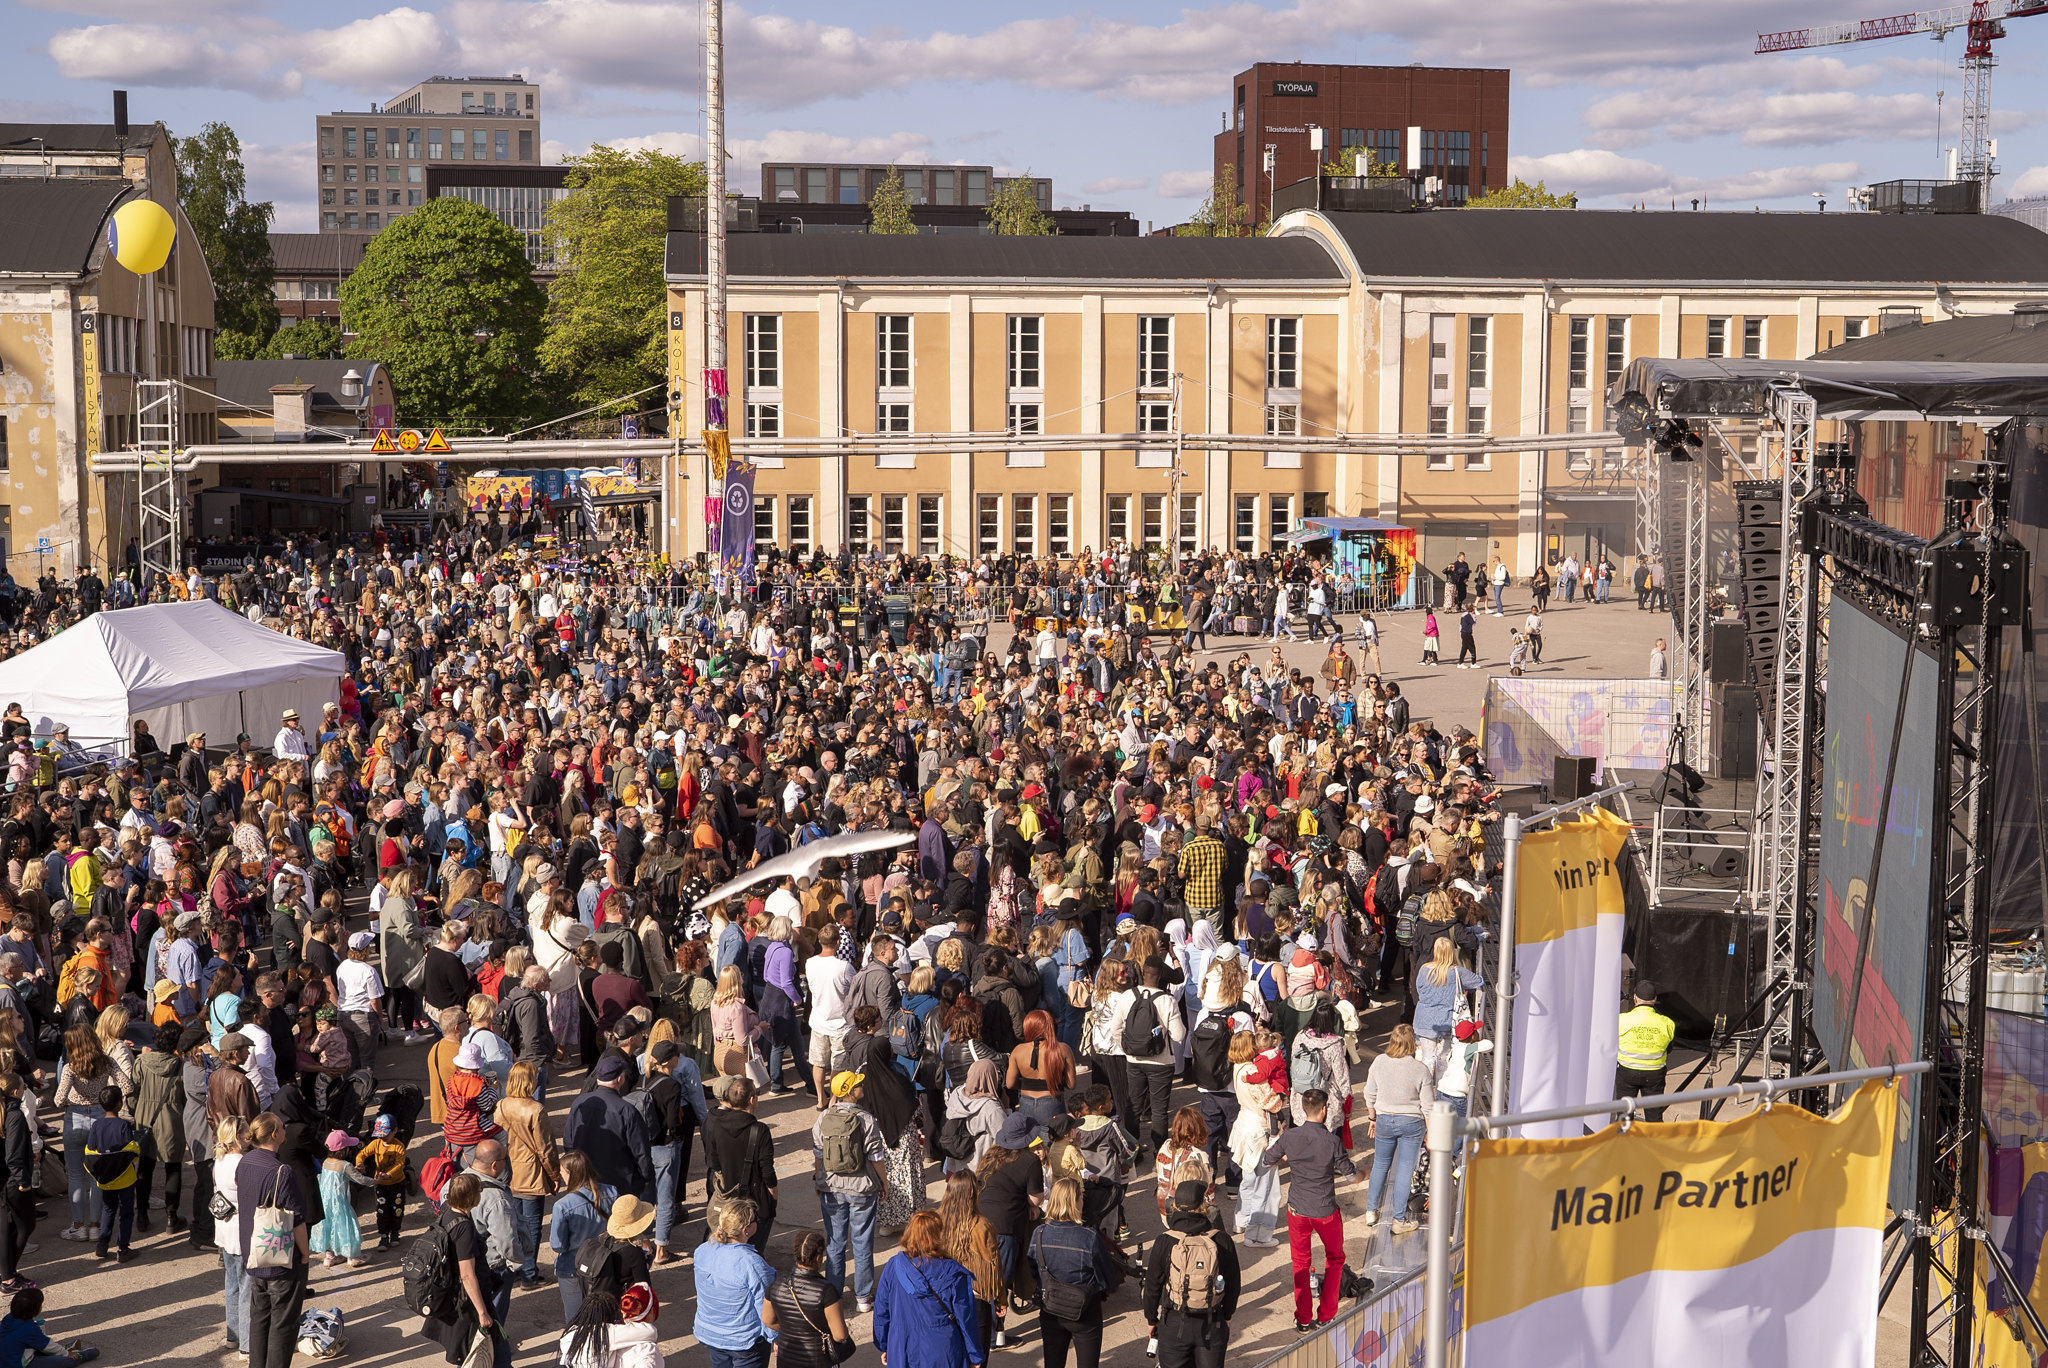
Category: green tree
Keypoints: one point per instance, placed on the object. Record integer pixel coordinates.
(234, 235)
(310, 337)
(607, 331)
(1013, 210)
(229, 345)
(445, 298)
(1221, 214)
(889, 210)
(1522, 195)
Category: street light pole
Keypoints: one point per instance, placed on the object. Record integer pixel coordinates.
(714, 240)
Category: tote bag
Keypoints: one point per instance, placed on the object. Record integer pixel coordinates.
(270, 1231)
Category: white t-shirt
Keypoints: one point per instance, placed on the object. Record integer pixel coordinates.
(500, 822)
(227, 1234)
(358, 985)
(828, 978)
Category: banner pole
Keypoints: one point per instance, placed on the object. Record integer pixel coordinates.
(1443, 1140)
(1504, 989)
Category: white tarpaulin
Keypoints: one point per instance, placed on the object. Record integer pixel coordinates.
(181, 667)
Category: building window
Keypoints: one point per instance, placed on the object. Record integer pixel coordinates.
(526, 144)
(327, 174)
(3, 442)
(1617, 348)
(785, 183)
(1475, 418)
(391, 197)
(348, 142)
(477, 138)
(764, 351)
(1059, 524)
(502, 143)
(458, 145)
(433, 144)
(857, 524)
(913, 185)
(1575, 420)
(349, 222)
(892, 351)
(1478, 347)
(351, 196)
(1852, 328)
(1717, 337)
(370, 152)
(764, 420)
(1024, 524)
(814, 185)
(1024, 419)
(764, 520)
(412, 201)
(977, 187)
(849, 187)
(1116, 521)
(327, 196)
(929, 525)
(351, 174)
(1244, 522)
(1190, 521)
(942, 187)
(414, 175)
(1155, 352)
(1152, 520)
(1283, 353)
(988, 524)
(1283, 420)
(327, 221)
(326, 142)
(412, 144)
(1025, 341)
(1279, 520)
(1579, 353)
(892, 417)
(1752, 338)
(893, 524)
(372, 222)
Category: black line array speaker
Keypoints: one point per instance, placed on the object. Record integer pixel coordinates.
(1571, 778)
(1760, 526)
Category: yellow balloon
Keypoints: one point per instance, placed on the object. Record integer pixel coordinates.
(140, 235)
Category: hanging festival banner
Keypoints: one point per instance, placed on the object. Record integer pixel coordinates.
(1568, 922)
(736, 524)
(1754, 1241)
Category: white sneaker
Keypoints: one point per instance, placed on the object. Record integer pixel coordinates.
(156, 1204)
(1372, 1218)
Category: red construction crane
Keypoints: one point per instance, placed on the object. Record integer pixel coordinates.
(1982, 20)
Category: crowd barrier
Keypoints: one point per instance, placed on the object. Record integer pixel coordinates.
(1384, 1330)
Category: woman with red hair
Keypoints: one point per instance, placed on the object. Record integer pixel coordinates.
(1041, 1069)
(924, 1303)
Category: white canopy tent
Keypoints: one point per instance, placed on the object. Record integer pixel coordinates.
(181, 667)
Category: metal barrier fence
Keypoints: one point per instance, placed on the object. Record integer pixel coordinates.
(1385, 1330)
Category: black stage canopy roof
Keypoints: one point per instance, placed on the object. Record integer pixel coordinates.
(1840, 389)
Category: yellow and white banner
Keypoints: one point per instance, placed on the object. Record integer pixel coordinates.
(1568, 923)
(1751, 1243)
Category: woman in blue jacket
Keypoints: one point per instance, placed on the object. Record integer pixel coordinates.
(924, 1304)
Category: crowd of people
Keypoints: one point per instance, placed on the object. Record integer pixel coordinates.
(1143, 898)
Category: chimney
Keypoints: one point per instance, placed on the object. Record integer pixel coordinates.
(120, 113)
(291, 409)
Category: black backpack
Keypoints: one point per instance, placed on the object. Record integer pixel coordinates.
(1143, 1039)
(1209, 1054)
(906, 1034)
(1404, 921)
(956, 1141)
(428, 1269)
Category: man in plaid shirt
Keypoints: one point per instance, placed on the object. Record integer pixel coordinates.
(1201, 871)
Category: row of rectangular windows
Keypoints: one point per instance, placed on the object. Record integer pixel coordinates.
(409, 198)
(478, 146)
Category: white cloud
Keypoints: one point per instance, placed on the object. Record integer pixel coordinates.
(2033, 181)
(152, 55)
(1114, 185)
(1186, 184)
(1787, 119)
(1764, 183)
(283, 174)
(158, 11)
(1589, 171)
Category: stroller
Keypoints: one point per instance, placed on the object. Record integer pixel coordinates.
(348, 1101)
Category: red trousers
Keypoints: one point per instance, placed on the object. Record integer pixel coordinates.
(1301, 1233)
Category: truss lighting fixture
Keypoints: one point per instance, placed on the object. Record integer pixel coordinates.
(1676, 439)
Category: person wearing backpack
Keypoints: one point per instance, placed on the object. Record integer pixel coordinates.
(1074, 1275)
(1312, 1155)
(660, 1099)
(113, 1159)
(446, 1279)
(1192, 1284)
(1149, 1026)
(851, 1169)
(1316, 1062)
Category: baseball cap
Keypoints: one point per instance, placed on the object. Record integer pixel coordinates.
(1645, 990)
(845, 1081)
(610, 1067)
(1465, 1030)
(362, 940)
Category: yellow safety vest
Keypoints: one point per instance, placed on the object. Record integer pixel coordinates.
(1645, 1036)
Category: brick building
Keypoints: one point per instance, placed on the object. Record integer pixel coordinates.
(1462, 113)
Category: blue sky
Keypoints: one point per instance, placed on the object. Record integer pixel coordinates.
(1624, 101)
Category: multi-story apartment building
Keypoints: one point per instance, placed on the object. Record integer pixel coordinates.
(79, 333)
(1461, 112)
(371, 167)
(518, 195)
(1348, 327)
(856, 183)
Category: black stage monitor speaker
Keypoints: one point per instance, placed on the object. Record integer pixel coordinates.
(1571, 778)
(1735, 731)
(1727, 657)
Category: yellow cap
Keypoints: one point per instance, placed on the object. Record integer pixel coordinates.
(845, 1081)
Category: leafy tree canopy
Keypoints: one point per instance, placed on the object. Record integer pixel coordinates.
(1522, 195)
(889, 210)
(607, 312)
(234, 235)
(446, 299)
(1013, 210)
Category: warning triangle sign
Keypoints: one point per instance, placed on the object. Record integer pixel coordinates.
(383, 444)
(435, 441)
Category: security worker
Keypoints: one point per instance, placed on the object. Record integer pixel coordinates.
(1645, 1041)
